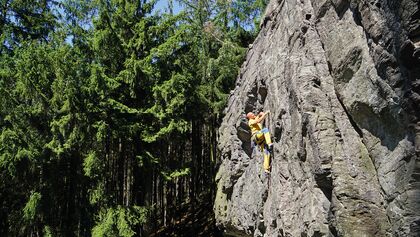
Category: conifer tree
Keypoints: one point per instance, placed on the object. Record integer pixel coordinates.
(109, 111)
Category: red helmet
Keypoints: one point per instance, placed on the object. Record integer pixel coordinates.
(249, 115)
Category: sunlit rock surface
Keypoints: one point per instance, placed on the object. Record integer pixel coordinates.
(342, 82)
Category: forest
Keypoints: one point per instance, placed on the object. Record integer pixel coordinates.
(109, 113)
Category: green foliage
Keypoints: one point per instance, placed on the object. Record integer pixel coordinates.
(8, 147)
(248, 12)
(96, 195)
(92, 166)
(25, 20)
(97, 98)
(32, 206)
(175, 174)
(119, 221)
(223, 70)
(48, 232)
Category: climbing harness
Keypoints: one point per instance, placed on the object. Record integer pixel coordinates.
(259, 141)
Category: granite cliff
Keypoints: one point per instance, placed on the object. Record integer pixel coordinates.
(342, 81)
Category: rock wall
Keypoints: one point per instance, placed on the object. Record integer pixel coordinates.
(342, 81)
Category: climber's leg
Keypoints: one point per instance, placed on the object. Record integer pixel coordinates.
(267, 138)
(254, 140)
(266, 160)
(260, 137)
(260, 140)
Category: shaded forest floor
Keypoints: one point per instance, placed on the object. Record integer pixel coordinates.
(192, 220)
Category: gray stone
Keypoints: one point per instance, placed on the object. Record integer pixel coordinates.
(341, 80)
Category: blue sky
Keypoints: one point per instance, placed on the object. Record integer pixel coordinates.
(162, 5)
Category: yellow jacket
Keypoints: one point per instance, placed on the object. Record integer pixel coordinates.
(254, 126)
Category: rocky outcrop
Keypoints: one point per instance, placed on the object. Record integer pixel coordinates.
(342, 81)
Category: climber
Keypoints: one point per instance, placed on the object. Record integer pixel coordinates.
(261, 136)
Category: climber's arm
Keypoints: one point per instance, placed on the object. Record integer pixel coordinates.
(261, 116)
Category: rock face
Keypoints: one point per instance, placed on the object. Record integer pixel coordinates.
(342, 81)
